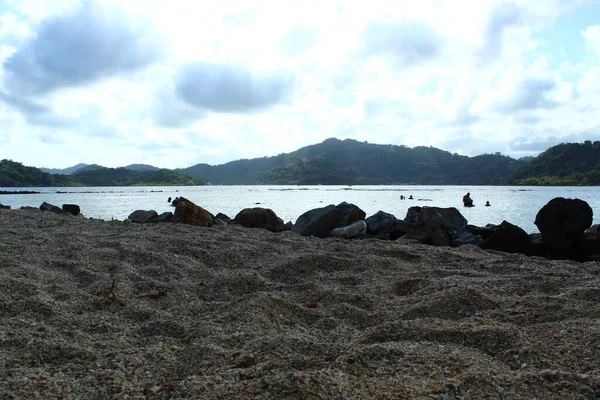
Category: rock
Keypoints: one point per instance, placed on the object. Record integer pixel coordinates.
(289, 225)
(50, 207)
(561, 223)
(29, 208)
(509, 238)
(412, 215)
(356, 229)
(222, 217)
(186, 212)
(429, 233)
(401, 228)
(465, 236)
(143, 216)
(257, 217)
(351, 213)
(319, 222)
(3, 207)
(73, 209)
(380, 223)
(450, 218)
(166, 216)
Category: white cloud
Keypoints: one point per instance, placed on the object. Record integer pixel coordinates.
(179, 83)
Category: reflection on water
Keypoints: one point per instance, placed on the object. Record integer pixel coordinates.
(516, 205)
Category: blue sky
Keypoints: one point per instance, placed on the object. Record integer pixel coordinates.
(147, 81)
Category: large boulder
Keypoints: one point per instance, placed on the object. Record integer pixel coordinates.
(508, 238)
(221, 217)
(380, 223)
(319, 222)
(412, 214)
(429, 233)
(51, 207)
(354, 230)
(562, 222)
(73, 209)
(186, 212)
(143, 216)
(167, 216)
(352, 213)
(450, 218)
(3, 207)
(401, 228)
(257, 217)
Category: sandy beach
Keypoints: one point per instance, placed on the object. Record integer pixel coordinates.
(91, 309)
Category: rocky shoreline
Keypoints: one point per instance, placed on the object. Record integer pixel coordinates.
(565, 226)
(111, 310)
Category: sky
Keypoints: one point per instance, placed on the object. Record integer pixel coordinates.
(177, 83)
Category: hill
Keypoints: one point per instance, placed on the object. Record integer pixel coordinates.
(14, 174)
(65, 171)
(127, 177)
(141, 167)
(563, 164)
(349, 162)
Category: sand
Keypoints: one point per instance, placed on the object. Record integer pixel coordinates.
(103, 310)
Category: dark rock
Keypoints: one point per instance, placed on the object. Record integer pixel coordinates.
(319, 222)
(380, 223)
(401, 228)
(73, 209)
(3, 207)
(166, 216)
(289, 225)
(449, 218)
(29, 208)
(222, 217)
(429, 233)
(561, 223)
(484, 232)
(186, 212)
(257, 217)
(351, 213)
(412, 215)
(50, 207)
(465, 236)
(509, 238)
(354, 230)
(143, 216)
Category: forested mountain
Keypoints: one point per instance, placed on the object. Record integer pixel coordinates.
(344, 162)
(65, 171)
(14, 174)
(563, 164)
(350, 162)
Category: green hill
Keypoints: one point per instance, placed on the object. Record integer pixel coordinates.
(14, 174)
(563, 164)
(349, 162)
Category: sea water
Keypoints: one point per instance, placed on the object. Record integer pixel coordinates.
(515, 204)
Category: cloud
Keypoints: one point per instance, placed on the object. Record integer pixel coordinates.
(299, 39)
(503, 16)
(81, 47)
(592, 38)
(408, 43)
(227, 88)
(531, 93)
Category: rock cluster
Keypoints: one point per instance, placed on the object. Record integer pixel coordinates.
(564, 225)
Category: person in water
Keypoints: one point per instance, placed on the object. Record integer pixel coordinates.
(410, 197)
(487, 203)
(467, 201)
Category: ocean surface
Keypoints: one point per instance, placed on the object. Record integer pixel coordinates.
(517, 205)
